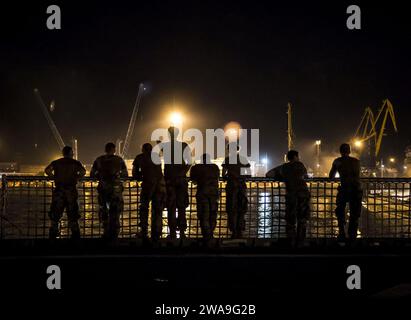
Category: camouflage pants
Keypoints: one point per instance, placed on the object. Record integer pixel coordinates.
(353, 198)
(110, 199)
(64, 198)
(236, 205)
(297, 214)
(177, 199)
(207, 206)
(154, 191)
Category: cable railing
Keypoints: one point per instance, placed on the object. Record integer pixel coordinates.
(25, 203)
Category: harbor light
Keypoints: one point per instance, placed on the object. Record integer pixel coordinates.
(358, 143)
(176, 119)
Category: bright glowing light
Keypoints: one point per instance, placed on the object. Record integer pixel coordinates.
(176, 119)
(358, 143)
(405, 167)
(318, 142)
(232, 130)
(264, 161)
(392, 160)
(318, 165)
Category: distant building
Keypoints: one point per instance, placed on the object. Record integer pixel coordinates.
(32, 169)
(407, 162)
(9, 167)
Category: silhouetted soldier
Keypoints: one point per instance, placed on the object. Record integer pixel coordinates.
(109, 169)
(349, 191)
(153, 189)
(293, 174)
(177, 161)
(235, 172)
(206, 176)
(66, 172)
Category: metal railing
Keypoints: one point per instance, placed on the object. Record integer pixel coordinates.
(25, 202)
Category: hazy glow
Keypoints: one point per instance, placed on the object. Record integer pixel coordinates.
(176, 118)
(232, 130)
(358, 143)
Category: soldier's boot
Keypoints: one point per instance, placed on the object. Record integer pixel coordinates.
(235, 234)
(106, 230)
(143, 234)
(291, 234)
(173, 234)
(301, 232)
(155, 236)
(341, 230)
(353, 228)
(75, 230)
(206, 233)
(54, 230)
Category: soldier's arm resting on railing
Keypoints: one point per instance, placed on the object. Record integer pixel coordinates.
(81, 171)
(333, 171)
(305, 173)
(124, 171)
(137, 174)
(49, 171)
(94, 171)
(275, 174)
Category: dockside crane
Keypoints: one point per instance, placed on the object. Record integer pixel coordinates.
(53, 126)
(366, 129)
(50, 121)
(290, 131)
(386, 112)
(372, 128)
(132, 124)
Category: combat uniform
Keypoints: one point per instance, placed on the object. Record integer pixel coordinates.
(153, 189)
(109, 169)
(350, 190)
(177, 158)
(236, 194)
(206, 176)
(297, 197)
(66, 172)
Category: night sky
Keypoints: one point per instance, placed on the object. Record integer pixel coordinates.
(220, 61)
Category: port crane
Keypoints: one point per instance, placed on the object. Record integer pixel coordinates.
(52, 125)
(132, 124)
(290, 131)
(372, 128)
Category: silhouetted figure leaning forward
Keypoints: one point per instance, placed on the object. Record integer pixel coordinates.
(235, 171)
(153, 189)
(293, 174)
(66, 172)
(177, 162)
(350, 191)
(206, 175)
(109, 169)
